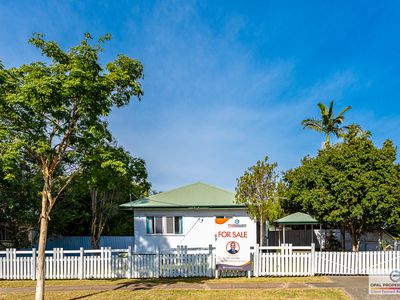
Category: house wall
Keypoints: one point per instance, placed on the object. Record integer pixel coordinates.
(198, 228)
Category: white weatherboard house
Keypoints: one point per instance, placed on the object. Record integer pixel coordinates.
(183, 217)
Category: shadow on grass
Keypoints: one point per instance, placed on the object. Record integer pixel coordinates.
(147, 284)
(88, 295)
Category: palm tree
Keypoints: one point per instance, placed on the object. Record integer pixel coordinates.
(328, 124)
(354, 131)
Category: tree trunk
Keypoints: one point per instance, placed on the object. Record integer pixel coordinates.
(355, 244)
(93, 227)
(97, 222)
(100, 215)
(327, 142)
(40, 271)
(96, 234)
(95, 242)
(355, 240)
(261, 232)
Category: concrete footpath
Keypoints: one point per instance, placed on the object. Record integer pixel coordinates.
(355, 286)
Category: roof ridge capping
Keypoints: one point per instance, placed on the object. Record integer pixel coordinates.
(212, 186)
(194, 184)
(198, 194)
(297, 218)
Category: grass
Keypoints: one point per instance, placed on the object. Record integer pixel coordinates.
(297, 294)
(30, 283)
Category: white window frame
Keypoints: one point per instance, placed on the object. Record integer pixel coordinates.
(164, 225)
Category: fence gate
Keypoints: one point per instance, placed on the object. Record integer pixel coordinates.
(285, 260)
(332, 263)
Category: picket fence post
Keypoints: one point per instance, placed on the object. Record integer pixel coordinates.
(33, 264)
(157, 264)
(81, 264)
(357, 263)
(256, 260)
(129, 262)
(185, 260)
(312, 271)
(210, 260)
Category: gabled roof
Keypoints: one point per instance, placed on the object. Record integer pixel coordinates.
(196, 195)
(298, 218)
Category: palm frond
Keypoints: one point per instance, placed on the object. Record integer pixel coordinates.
(344, 110)
(328, 124)
(322, 108)
(312, 124)
(330, 112)
(338, 120)
(354, 131)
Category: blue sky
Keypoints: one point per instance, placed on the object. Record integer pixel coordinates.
(228, 82)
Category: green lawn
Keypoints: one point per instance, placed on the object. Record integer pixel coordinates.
(297, 294)
(30, 283)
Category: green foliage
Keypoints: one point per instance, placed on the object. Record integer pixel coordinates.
(351, 184)
(52, 115)
(259, 190)
(19, 201)
(108, 166)
(54, 112)
(115, 177)
(328, 124)
(112, 175)
(72, 214)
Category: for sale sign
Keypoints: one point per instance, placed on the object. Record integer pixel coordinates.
(233, 243)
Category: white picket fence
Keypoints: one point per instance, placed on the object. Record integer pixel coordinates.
(285, 260)
(356, 263)
(107, 263)
(288, 260)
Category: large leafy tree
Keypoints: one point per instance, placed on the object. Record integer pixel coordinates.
(352, 184)
(328, 124)
(54, 111)
(111, 176)
(259, 190)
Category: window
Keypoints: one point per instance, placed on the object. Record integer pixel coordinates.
(164, 225)
(170, 224)
(159, 225)
(178, 225)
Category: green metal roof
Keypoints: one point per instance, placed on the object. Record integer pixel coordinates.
(298, 218)
(196, 195)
